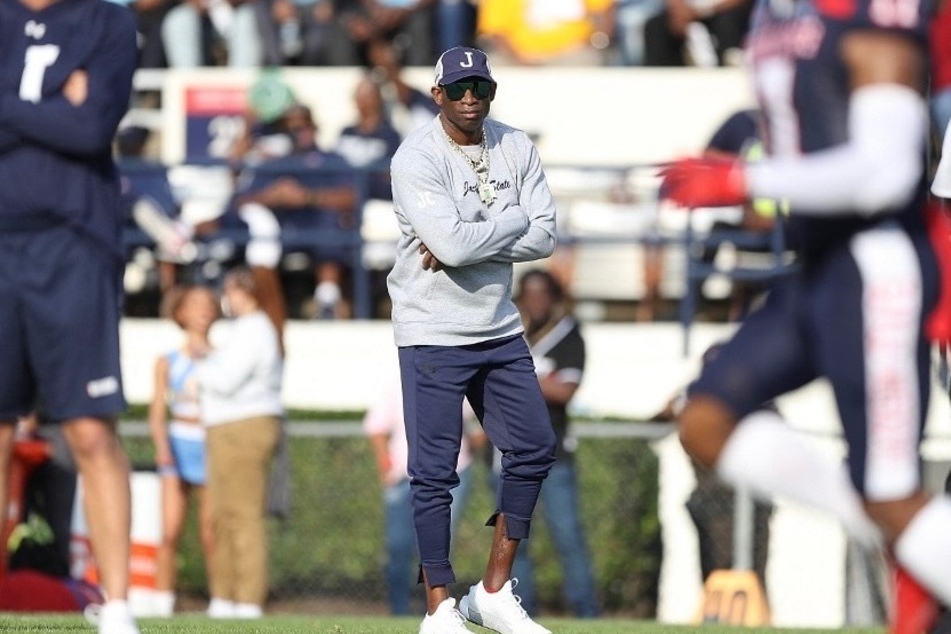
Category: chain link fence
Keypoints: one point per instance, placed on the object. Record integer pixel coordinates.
(328, 554)
(330, 548)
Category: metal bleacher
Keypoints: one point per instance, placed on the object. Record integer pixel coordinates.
(609, 218)
(759, 257)
(200, 192)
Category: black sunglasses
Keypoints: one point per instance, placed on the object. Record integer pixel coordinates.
(480, 89)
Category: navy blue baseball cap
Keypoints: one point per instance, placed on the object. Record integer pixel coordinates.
(460, 62)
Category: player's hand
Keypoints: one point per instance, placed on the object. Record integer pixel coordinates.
(696, 182)
(76, 88)
(430, 263)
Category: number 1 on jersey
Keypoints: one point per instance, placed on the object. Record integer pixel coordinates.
(38, 58)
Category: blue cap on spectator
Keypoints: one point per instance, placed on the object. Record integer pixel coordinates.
(460, 62)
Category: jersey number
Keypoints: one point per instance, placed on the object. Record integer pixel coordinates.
(38, 58)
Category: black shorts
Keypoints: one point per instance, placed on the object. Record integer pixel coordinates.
(59, 325)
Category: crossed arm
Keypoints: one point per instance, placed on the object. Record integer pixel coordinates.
(82, 117)
(518, 233)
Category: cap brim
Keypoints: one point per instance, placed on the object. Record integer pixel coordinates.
(449, 78)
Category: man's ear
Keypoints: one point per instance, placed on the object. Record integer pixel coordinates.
(437, 94)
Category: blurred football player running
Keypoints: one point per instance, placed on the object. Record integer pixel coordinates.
(841, 86)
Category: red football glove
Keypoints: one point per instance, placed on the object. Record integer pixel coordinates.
(699, 182)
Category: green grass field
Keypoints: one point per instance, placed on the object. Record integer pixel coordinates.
(198, 624)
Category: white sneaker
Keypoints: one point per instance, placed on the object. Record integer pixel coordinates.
(115, 617)
(163, 604)
(445, 620)
(221, 608)
(248, 611)
(501, 611)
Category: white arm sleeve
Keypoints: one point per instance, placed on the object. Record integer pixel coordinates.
(875, 170)
(941, 185)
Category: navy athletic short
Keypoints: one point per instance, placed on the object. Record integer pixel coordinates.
(856, 319)
(59, 325)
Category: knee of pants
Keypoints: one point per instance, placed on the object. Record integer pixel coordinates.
(428, 488)
(533, 464)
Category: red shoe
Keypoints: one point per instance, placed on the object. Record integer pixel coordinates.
(915, 610)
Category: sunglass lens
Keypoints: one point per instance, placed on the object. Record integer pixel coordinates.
(457, 90)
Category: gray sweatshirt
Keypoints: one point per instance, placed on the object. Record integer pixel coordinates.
(435, 194)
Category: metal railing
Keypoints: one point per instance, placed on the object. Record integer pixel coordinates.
(143, 178)
(586, 182)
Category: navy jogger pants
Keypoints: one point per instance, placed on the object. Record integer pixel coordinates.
(498, 377)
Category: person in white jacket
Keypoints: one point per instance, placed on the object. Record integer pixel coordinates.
(240, 388)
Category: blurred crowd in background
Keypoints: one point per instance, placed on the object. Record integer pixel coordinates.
(277, 172)
(249, 33)
(325, 206)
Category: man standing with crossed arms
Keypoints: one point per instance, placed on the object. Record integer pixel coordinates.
(471, 199)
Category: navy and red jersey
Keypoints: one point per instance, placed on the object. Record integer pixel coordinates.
(56, 158)
(803, 87)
